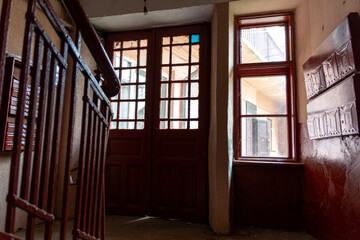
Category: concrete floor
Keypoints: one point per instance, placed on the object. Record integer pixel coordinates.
(133, 228)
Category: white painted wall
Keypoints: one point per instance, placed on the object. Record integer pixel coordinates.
(120, 7)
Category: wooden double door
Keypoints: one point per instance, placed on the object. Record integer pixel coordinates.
(157, 150)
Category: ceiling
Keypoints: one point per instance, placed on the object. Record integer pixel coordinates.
(122, 15)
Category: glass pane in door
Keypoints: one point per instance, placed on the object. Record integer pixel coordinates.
(179, 88)
(130, 62)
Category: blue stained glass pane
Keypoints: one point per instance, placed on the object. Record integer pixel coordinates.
(195, 38)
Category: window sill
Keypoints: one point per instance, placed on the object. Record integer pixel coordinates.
(259, 162)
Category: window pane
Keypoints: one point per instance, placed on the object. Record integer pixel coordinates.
(164, 109)
(128, 76)
(180, 39)
(165, 55)
(140, 125)
(127, 110)
(143, 43)
(113, 125)
(143, 56)
(263, 44)
(114, 109)
(164, 90)
(179, 109)
(179, 90)
(130, 58)
(117, 45)
(178, 124)
(141, 110)
(194, 108)
(128, 92)
(116, 59)
(126, 125)
(180, 73)
(194, 89)
(195, 53)
(264, 137)
(142, 75)
(195, 72)
(165, 73)
(141, 92)
(130, 44)
(263, 95)
(180, 54)
(163, 125)
(194, 124)
(166, 40)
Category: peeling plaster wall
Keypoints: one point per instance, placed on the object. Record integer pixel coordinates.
(332, 166)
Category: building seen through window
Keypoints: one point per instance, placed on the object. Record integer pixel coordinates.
(264, 78)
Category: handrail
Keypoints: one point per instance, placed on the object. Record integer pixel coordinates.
(81, 20)
(45, 71)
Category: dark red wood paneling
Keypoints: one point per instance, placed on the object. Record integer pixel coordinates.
(331, 186)
(113, 181)
(179, 157)
(127, 173)
(161, 172)
(268, 196)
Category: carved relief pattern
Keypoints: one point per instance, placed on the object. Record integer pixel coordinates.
(333, 122)
(345, 60)
(311, 127)
(349, 121)
(318, 80)
(330, 70)
(309, 87)
(334, 68)
(323, 130)
(332, 83)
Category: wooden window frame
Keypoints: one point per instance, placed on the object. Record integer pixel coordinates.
(286, 68)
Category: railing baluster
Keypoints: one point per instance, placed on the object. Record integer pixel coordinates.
(30, 134)
(14, 171)
(92, 171)
(49, 130)
(37, 179)
(48, 62)
(98, 184)
(82, 162)
(56, 140)
(72, 112)
(101, 211)
(108, 116)
(87, 169)
(48, 133)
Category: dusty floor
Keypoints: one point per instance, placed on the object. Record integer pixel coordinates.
(132, 228)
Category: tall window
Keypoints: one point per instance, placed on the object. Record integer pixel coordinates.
(264, 88)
